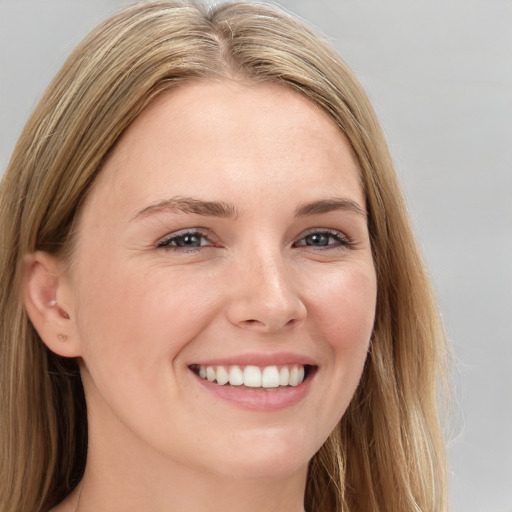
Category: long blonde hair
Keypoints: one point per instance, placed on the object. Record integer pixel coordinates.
(387, 452)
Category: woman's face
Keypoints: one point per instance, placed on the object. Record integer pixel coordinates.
(224, 240)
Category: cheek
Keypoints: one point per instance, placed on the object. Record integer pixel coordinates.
(341, 311)
(138, 316)
(134, 325)
(344, 309)
(344, 313)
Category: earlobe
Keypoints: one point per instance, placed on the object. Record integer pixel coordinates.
(46, 296)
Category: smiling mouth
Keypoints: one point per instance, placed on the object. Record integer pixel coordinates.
(267, 378)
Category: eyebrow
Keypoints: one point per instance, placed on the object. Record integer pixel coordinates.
(189, 205)
(329, 205)
(223, 209)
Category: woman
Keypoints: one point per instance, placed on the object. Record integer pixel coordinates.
(211, 295)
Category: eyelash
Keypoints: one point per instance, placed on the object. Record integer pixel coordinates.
(167, 243)
(342, 241)
(171, 242)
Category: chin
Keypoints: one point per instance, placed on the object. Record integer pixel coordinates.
(269, 454)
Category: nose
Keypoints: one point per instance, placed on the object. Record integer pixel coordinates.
(264, 294)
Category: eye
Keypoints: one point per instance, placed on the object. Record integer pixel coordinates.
(324, 239)
(183, 240)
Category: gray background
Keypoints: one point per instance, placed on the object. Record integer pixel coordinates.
(439, 74)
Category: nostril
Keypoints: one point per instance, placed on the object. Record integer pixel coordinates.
(266, 312)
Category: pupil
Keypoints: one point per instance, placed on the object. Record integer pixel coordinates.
(317, 239)
(189, 241)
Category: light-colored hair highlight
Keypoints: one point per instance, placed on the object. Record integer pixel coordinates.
(387, 452)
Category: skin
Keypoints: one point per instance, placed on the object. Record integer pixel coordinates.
(140, 314)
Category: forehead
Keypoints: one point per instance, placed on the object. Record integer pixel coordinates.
(233, 136)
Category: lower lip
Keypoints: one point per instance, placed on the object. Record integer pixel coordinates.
(258, 399)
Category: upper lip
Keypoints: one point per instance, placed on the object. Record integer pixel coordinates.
(259, 359)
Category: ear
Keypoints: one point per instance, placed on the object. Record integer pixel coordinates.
(48, 299)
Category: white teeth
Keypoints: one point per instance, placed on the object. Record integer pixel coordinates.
(252, 377)
(295, 376)
(222, 375)
(269, 377)
(284, 376)
(236, 376)
(210, 373)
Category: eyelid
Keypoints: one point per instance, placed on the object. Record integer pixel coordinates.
(340, 236)
(163, 243)
(343, 240)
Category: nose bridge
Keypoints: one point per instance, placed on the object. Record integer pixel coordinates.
(266, 296)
